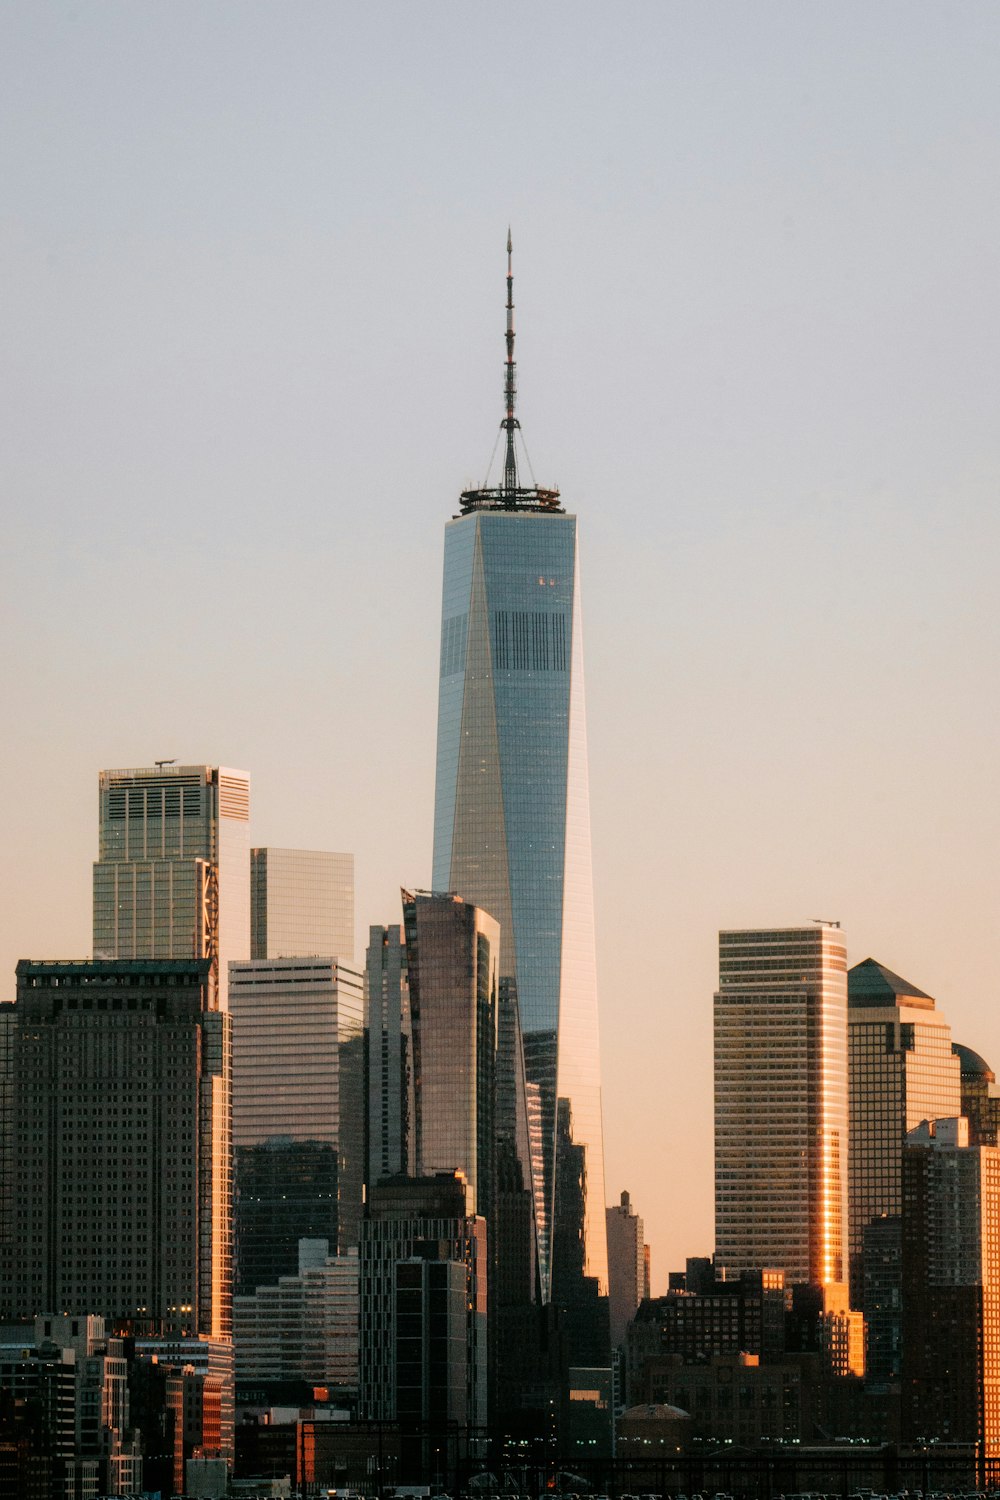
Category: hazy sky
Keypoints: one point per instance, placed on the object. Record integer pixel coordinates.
(252, 281)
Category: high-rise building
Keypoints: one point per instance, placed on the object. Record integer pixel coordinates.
(781, 1102)
(298, 1110)
(122, 1191)
(512, 814)
(423, 1220)
(172, 877)
(626, 1266)
(980, 1096)
(951, 1291)
(305, 1327)
(301, 904)
(390, 1056)
(901, 1070)
(452, 951)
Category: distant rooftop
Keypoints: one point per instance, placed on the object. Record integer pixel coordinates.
(871, 985)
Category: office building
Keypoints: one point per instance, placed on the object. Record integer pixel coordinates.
(301, 904)
(423, 1220)
(452, 953)
(512, 817)
(901, 1070)
(980, 1096)
(781, 1117)
(626, 1266)
(122, 1192)
(298, 1110)
(304, 1327)
(390, 1075)
(172, 877)
(951, 1291)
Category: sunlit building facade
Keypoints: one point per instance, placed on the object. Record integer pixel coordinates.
(301, 903)
(781, 1115)
(172, 877)
(298, 1111)
(901, 1070)
(512, 812)
(389, 1055)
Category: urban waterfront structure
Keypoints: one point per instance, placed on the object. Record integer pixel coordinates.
(172, 877)
(781, 1113)
(122, 1192)
(390, 1053)
(951, 1291)
(901, 1070)
(298, 1110)
(301, 904)
(512, 817)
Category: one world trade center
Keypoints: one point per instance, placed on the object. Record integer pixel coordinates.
(512, 823)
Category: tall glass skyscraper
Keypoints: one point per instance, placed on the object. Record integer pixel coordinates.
(512, 819)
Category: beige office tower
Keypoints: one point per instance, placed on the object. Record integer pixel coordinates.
(781, 1122)
(902, 1070)
(172, 877)
(626, 1266)
(301, 904)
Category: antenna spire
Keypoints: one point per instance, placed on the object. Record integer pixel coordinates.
(510, 422)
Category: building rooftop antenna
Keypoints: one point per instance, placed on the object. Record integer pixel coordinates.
(509, 494)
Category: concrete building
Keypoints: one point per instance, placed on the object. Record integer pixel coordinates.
(301, 904)
(951, 1291)
(512, 815)
(781, 1114)
(172, 877)
(298, 1110)
(901, 1070)
(626, 1266)
(122, 1190)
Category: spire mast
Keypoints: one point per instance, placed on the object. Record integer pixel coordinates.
(510, 422)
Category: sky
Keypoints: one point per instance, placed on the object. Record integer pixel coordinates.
(251, 272)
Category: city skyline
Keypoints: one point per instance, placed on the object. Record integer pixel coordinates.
(757, 321)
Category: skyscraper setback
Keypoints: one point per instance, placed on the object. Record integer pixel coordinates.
(512, 811)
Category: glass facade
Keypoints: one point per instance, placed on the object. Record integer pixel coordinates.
(781, 1123)
(298, 1111)
(301, 902)
(902, 1071)
(172, 877)
(512, 823)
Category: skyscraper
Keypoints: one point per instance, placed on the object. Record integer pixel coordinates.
(390, 1071)
(122, 1191)
(626, 1266)
(172, 877)
(901, 1070)
(298, 1110)
(512, 812)
(781, 1102)
(452, 948)
(301, 904)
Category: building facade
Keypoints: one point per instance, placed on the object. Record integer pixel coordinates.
(626, 1266)
(512, 814)
(298, 1110)
(901, 1070)
(301, 904)
(781, 1115)
(122, 1189)
(172, 877)
(951, 1291)
(390, 1055)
